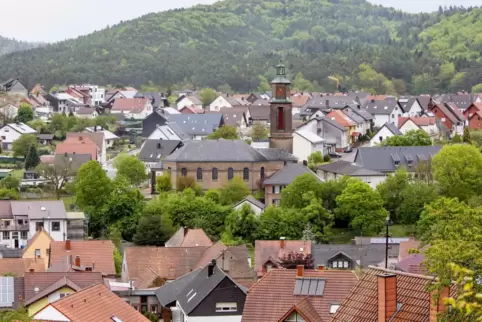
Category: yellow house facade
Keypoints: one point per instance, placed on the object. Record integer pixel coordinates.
(42, 302)
(38, 247)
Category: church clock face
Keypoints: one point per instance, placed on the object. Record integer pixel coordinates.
(280, 92)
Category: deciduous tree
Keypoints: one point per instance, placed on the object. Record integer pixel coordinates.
(32, 159)
(315, 159)
(241, 226)
(25, 113)
(92, 186)
(458, 170)
(292, 195)
(411, 138)
(164, 183)
(233, 192)
(226, 132)
(130, 167)
(259, 131)
(208, 95)
(153, 230)
(58, 174)
(363, 206)
(22, 145)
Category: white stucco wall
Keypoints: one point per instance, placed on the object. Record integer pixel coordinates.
(383, 133)
(50, 314)
(56, 235)
(408, 126)
(301, 147)
(380, 119)
(255, 209)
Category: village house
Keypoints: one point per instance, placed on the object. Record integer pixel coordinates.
(99, 139)
(78, 145)
(384, 111)
(11, 132)
(334, 135)
(198, 126)
(169, 131)
(306, 143)
(411, 106)
(63, 102)
(309, 295)
(450, 117)
(186, 237)
(340, 168)
(189, 101)
(427, 124)
(8, 113)
(274, 185)
(386, 295)
(153, 151)
(152, 121)
(82, 256)
(223, 101)
(344, 120)
(38, 247)
(92, 304)
(13, 87)
(213, 163)
(255, 205)
(42, 288)
(86, 112)
(135, 108)
(386, 131)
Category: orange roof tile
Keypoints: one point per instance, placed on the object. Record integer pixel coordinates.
(187, 237)
(299, 100)
(405, 246)
(266, 250)
(97, 253)
(96, 304)
(272, 297)
(341, 118)
(18, 266)
(362, 303)
(79, 145)
(133, 105)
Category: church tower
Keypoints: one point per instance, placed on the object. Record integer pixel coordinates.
(281, 118)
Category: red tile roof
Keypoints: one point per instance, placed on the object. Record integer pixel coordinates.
(272, 298)
(186, 237)
(420, 121)
(299, 100)
(96, 253)
(19, 266)
(133, 105)
(96, 304)
(405, 246)
(341, 118)
(266, 250)
(78, 145)
(362, 303)
(43, 280)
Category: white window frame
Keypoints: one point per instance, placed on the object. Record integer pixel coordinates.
(334, 308)
(226, 307)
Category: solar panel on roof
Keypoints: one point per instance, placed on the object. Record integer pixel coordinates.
(320, 288)
(6, 291)
(313, 286)
(305, 287)
(309, 286)
(298, 284)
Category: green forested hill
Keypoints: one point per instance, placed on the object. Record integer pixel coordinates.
(235, 42)
(8, 45)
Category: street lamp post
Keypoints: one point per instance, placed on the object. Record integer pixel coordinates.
(387, 223)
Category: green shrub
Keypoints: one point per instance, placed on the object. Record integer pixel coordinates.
(326, 158)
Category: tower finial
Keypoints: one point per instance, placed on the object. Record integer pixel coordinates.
(280, 69)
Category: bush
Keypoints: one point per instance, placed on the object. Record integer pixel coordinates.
(326, 158)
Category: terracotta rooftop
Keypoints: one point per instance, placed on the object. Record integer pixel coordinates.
(274, 298)
(93, 304)
(405, 246)
(412, 299)
(79, 145)
(133, 105)
(98, 254)
(413, 263)
(18, 266)
(37, 282)
(341, 118)
(96, 137)
(272, 250)
(420, 121)
(185, 237)
(299, 100)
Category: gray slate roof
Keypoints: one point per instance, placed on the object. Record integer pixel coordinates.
(6, 252)
(323, 102)
(288, 174)
(381, 107)
(225, 151)
(370, 254)
(354, 116)
(348, 168)
(382, 159)
(155, 150)
(33, 209)
(197, 124)
(333, 123)
(259, 113)
(392, 128)
(169, 292)
(252, 200)
(202, 286)
(360, 111)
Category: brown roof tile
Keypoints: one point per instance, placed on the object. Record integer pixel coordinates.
(166, 262)
(43, 280)
(341, 118)
(63, 282)
(134, 105)
(5, 210)
(272, 297)
(299, 100)
(266, 250)
(78, 145)
(362, 303)
(99, 253)
(96, 304)
(405, 246)
(18, 266)
(186, 237)
(96, 137)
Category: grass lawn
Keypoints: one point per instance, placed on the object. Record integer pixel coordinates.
(17, 173)
(344, 235)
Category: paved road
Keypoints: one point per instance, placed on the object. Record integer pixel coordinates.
(109, 167)
(350, 157)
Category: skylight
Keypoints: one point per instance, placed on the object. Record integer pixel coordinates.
(115, 319)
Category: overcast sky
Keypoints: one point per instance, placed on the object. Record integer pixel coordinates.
(53, 20)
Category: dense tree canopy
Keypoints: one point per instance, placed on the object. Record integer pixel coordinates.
(236, 43)
(411, 138)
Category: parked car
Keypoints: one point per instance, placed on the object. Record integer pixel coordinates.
(335, 155)
(348, 149)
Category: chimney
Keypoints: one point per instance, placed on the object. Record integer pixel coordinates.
(321, 267)
(327, 102)
(77, 260)
(31, 270)
(282, 242)
(437, 302)
(211, 267)
(185, 230)
(67, 245)
(299, 270)
(387, 296)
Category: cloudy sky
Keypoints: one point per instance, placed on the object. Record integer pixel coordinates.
(53, 20)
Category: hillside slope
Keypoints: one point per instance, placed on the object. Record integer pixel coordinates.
(235, 41)
(8, 45)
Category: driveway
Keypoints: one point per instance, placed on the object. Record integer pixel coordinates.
(350, 157)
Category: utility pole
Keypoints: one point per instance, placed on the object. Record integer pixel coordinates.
(387, 223)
